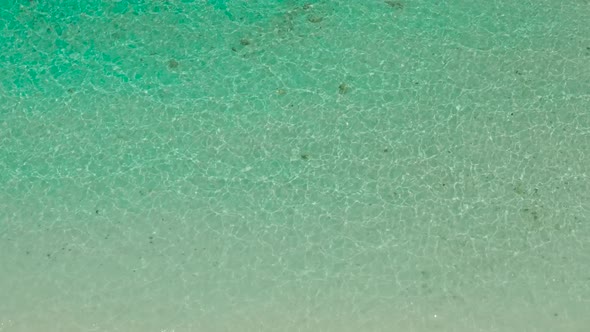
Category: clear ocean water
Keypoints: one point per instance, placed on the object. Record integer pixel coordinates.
(317, 165)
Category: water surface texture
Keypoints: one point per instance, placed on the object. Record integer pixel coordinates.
(233, 165)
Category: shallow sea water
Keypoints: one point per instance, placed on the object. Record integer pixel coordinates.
(294, 165)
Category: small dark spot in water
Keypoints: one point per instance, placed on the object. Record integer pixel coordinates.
(305, 156)
(315, 19)
(173, 64)
(245, 42)
(395, 4)
(343, 88)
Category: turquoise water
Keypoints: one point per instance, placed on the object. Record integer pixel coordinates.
(294, 165)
